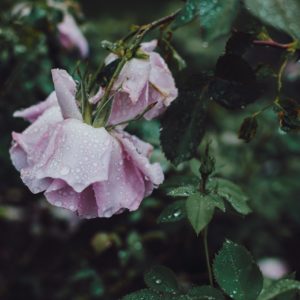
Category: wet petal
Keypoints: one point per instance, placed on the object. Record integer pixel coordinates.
(71, 36)
(76, 153)
(125, 187)
(65, 88)
(29, 146)
(33, 112)
(149, 46)
(135, 148)
(161, 78)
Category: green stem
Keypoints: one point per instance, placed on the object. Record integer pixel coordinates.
(98, 122)
(209, 270)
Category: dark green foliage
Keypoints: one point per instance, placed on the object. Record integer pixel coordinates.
(200, 209)
(280, 288)
(230, 192)
(215, 17)
(161, 279)
(236, 272)
(205, 293)
(188, 13)
(235, 83)
(173, 212)
(183, 127)
(283, 15)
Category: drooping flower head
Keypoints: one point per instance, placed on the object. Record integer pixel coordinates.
(142, 82)
(85, 169)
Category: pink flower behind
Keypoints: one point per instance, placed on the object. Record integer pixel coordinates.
(71, 37)
(142, 82)
(273, 268)
(85, 169)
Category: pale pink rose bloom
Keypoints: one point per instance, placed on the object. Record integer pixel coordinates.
(142, 82)
(71, 37)
(273, 268)
(84, 169)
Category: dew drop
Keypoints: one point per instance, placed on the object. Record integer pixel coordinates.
(64, 171)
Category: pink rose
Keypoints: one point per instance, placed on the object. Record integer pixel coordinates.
(71, 37)
(85, 169)
(273, 268)
(142, 82)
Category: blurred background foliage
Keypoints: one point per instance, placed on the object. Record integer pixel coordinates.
(48, 253)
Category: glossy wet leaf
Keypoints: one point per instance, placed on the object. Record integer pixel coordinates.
(173, 212)
(232, 193)
(177, 181)
(161, 279)
(182, 191)
(216, 17)
(183, 127)
(237, 273)
(279, 288)
(145, 294)
(188, 13)
(217, 201)
(205, 293)
(235, 84)
(283, 15)
(200, 210)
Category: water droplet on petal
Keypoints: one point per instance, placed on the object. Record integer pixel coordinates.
(64, 171)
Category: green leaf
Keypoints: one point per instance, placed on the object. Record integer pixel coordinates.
(188, 13)
(236, 272)
(279, 288)
(179, 181)
(235, 84)
(215, 17)
(161, 279)
(283, 15)
(143, 294)
(173, 212)
(232, 193)
(200, 211)
(183, 127)
(205, 293)
(182, 191)
(217, 201)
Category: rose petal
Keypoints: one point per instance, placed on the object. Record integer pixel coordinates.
(124, 188)
(71, 36)
(33, 112)
(65, 88)
(29, 146)
(133, 146)
(76, 153)
(161, 78)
